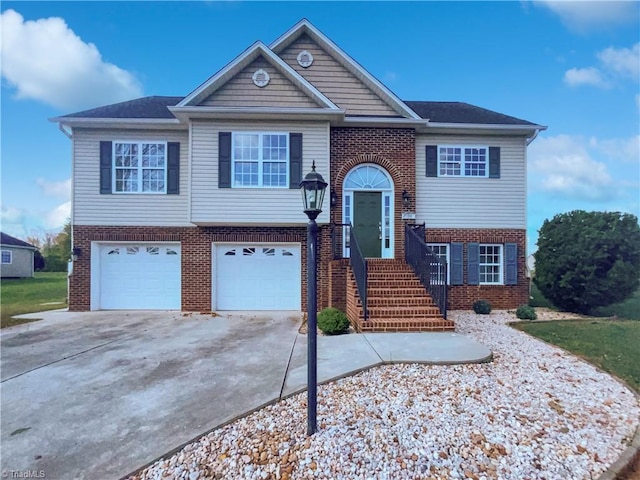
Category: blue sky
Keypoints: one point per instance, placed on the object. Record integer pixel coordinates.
(570, 65)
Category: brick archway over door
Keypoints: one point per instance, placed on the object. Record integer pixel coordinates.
(391, 148)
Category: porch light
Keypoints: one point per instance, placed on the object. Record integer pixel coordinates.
(406, 198)
(75, 253)
(333, 199)
(313, 187)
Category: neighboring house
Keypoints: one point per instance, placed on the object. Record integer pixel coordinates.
(531, 265)
(17, 257)
(192, 202)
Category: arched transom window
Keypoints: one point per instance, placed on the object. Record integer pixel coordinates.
(367, 177)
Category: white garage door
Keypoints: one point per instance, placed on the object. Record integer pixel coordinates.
(257, 277)
(140, 276)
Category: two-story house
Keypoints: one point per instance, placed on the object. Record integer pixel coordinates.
(193, 202)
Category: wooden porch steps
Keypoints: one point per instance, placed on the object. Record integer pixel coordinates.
(397, 301)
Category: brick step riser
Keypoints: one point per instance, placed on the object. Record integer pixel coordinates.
(400, 311)
(399, 292)
(376, 275)
(391, 269)
(386, 303)
(396, 329)
(373, 314)
(378, 284)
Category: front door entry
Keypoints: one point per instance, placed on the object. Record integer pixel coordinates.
(367, 222)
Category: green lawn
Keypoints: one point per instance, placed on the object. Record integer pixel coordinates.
(629, 309)
(612, 345)
(45, 291)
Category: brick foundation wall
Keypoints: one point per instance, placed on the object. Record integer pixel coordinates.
(338, 284)
(196, 258)
(461, 297)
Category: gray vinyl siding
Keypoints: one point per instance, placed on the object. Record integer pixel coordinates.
(456, 202)
(92, 208)
(252, 206)
(21, 265)
(335, 81)
(240, 91)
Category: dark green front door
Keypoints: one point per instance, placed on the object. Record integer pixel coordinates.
(367, 217)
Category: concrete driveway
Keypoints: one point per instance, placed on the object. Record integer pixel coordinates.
(99, 394)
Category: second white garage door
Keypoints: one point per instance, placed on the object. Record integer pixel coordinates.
(257, 277)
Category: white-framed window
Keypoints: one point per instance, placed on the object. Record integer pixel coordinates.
(441, 250)
(139, 167)
(260, 159)
(490, 264)
(463, 161)
(7, 257)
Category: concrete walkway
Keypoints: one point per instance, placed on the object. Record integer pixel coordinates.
(100, 394)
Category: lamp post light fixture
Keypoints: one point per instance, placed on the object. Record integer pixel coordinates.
(313, 187)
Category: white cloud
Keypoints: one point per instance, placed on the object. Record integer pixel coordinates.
(624, 149)
(45, 60)
(585, 76)
(563, 166)
(582, 16)
(56, 218)
(60, 189)
(624, 62)
(11, 214)
(615, 65)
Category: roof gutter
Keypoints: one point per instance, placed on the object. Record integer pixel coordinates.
(120, 122)
(64, 130)
(486, 126)
(535, 135)
(384, 121)
(259, 113)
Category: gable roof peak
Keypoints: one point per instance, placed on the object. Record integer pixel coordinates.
(305, 26)
(244, 59)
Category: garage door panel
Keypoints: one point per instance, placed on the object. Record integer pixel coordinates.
(143, 277)
(257, 277)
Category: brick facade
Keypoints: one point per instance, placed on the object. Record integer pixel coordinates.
(196, 246)
(392, 149)
(461, 297)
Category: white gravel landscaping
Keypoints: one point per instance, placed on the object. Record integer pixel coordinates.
(535, 412)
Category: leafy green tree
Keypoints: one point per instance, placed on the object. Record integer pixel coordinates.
(588, 259)
(55, 249)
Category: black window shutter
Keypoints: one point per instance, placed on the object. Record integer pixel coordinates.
(494, 162)
(511, 264)
(105, 166)
(473, 266)
(432, 160)
(456, 264)
(295, 160)
(224, 159)
(173, 168)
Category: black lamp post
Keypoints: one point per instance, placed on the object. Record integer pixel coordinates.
(313, 187)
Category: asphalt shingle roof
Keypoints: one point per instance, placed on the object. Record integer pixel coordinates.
(12, 241)
(145, 107)
(440, 112)
(460, 112)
